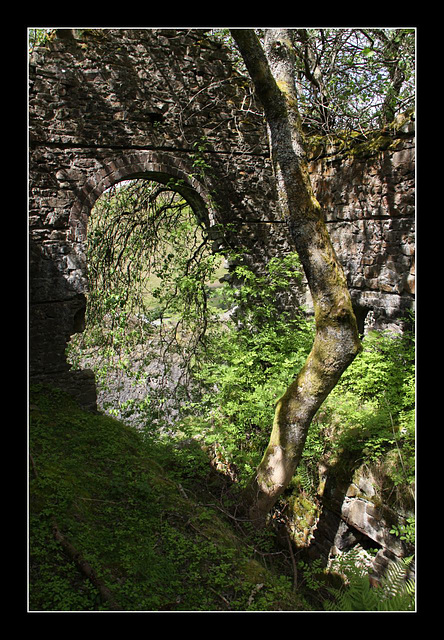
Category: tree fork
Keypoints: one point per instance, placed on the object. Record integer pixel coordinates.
(336, 342)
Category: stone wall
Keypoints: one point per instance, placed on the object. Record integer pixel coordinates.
(367, 191)
(107, 105)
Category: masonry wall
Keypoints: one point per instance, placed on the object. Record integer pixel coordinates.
(367, 192)
(112, 104)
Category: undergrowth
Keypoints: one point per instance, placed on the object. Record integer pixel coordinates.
(118, 521)
(136, 504)
(146, 521)
(395, 591)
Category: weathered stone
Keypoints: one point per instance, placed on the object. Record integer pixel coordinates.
(376, 195)
(107, 105)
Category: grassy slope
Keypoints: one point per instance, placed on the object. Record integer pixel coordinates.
(138, 516)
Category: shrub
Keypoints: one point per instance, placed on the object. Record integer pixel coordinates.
(369, 417)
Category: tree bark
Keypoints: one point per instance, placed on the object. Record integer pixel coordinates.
(336, 340)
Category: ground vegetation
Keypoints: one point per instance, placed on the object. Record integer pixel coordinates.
(212, 362)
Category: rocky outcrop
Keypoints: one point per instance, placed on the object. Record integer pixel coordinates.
(351, 513)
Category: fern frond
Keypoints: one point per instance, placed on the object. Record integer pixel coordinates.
(396, 591)
(394, 579)
(305, 477)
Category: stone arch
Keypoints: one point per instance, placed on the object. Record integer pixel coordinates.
(63, 264)
(110, 104)
(148, 165)
(107, 105)
(161, 168)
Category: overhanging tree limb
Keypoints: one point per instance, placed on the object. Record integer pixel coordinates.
(336, 341)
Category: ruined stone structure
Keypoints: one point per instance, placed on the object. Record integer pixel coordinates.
(367, 192)
(107, 105)
(114, 104)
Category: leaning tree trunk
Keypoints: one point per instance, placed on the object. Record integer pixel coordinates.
(336, 340)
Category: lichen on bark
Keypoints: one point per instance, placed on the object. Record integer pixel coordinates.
(336, 341)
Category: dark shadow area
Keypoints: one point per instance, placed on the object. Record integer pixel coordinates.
(361, 313)
(56, 312)
(349, 518)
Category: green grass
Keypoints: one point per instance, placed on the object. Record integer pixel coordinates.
(139, 516)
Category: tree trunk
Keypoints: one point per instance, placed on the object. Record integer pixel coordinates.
(336, 340)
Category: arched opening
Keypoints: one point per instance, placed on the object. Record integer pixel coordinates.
(239, 363)
(152, 289)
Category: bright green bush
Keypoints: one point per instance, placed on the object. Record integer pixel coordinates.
(371, 411)
(249, 362)
(248, 365)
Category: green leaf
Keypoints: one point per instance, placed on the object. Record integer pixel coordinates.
(368, 52)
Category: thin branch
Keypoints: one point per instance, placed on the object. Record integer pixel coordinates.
(85, 568)
(220, 596)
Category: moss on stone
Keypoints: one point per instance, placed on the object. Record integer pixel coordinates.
(360, 145)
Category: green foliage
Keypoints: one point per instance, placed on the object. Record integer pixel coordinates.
(239, 365)
(200, 165)
(140, 514)
(145, 246)
(249, 362)
(407, 531)
(370, 412)
(149, 259)
(395, 591)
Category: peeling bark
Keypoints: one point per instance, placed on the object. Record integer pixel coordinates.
(336, 341)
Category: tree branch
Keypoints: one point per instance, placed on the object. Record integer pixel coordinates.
(337, 341)
(257, 64)
(85, 568)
